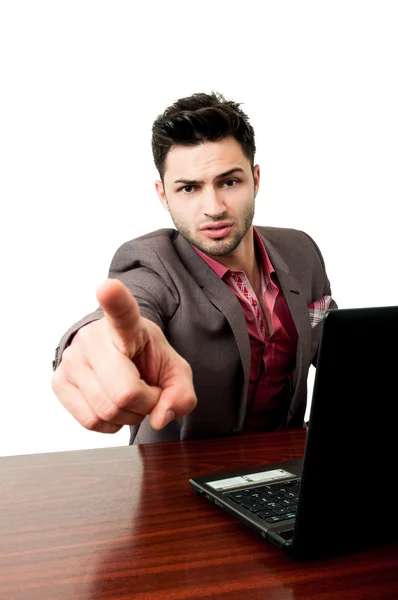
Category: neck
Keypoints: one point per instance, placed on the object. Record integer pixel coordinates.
(243, 258)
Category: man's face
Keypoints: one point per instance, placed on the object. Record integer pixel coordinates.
(209, 190)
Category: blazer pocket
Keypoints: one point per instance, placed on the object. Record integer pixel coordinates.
(318, 308)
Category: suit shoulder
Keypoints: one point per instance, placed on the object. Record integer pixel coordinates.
(154, 239)
(294, 245)
(284, 236)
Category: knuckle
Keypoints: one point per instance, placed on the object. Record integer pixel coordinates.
(67, 356)
(122, 346)
(91, 422)
(108, 412)
(187, 368)
(58, 380)
(104, 409)
(55, 383)
(191, 402)
(126, 397)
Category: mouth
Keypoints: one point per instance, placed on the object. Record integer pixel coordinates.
(216, 230)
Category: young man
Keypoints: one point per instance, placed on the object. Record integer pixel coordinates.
(208, 329)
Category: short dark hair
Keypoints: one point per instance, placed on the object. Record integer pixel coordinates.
(200, 118)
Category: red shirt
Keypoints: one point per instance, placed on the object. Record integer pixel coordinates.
(273, 341)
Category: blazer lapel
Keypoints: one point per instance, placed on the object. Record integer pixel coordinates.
(225, 300)
(298, 309)
(219, 294)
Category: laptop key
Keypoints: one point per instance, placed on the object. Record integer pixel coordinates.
(264, 499)
(236, 496)
(288, 502)
(253, 490)
(255, 496)
(275, 519)
(271, 505)
(252, 505)
(282, 511)
(266, 513)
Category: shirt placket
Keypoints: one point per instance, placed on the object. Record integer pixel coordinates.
(240, 281)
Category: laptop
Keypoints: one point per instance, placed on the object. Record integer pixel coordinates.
(341, 496)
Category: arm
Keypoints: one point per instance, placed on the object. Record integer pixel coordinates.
(121, 368)
(141, 270)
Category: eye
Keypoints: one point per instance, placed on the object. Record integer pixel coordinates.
(187, 189)
(230, 182)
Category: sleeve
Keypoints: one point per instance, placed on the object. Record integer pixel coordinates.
(318, 308)
(142, 271)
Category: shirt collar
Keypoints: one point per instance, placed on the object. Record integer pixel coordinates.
(217, 267)
(266, 264)
(222, 270)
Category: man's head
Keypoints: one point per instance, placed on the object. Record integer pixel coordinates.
(204, 147)
(197, 119)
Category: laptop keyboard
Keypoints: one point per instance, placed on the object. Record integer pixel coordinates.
(271, 503)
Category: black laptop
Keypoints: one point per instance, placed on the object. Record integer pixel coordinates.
(342, 495)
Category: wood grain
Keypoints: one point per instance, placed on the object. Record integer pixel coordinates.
(123, 523)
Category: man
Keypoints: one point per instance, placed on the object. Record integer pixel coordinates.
(208, 329)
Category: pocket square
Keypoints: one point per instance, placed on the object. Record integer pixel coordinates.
(318, 308)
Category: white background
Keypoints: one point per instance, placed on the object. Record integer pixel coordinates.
(81, 83)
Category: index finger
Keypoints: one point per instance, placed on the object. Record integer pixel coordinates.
(122, 314)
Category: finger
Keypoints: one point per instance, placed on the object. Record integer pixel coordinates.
(177, 399)
(108, 409)
(120, 379)
(122, 314)
(74, 402)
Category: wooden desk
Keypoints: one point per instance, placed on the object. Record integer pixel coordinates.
(124, 523)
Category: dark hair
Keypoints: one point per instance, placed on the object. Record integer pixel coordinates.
(200, 118)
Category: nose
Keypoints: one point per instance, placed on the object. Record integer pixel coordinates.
(212, 203)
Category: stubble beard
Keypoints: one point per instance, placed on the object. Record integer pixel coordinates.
(220, 247)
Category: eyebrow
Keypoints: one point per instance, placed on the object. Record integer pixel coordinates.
(220, 176)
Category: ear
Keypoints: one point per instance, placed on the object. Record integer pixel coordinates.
(162, 196)
(256, 177)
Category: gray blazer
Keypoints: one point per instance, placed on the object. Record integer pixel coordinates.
(202, 319)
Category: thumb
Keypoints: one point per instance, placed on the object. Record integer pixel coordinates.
(122, 315)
